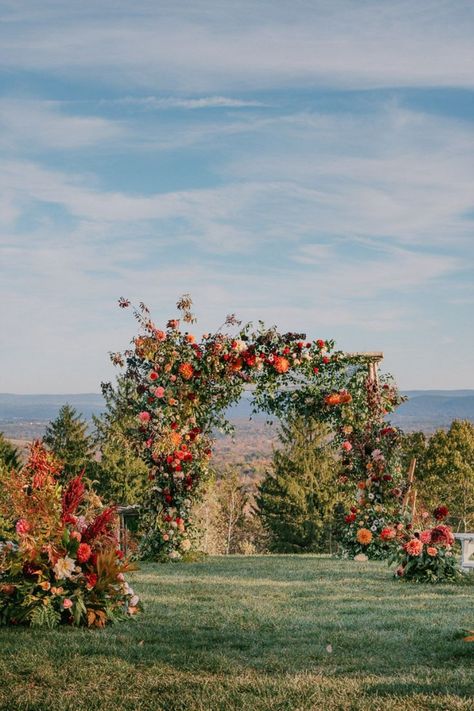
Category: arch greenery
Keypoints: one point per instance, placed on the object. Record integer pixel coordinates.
(183, 388)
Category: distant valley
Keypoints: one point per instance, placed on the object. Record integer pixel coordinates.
(24, 417)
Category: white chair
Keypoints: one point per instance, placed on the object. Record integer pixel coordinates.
(467, 544)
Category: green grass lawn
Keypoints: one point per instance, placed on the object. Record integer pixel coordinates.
(276, 632)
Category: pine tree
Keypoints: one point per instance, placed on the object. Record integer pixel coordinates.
(120, 475)
(297, 500)
(8, 454)
(447, 475)
(68, 439)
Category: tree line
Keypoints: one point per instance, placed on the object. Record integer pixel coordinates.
(296, 504)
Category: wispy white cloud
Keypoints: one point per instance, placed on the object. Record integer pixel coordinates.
(31, 125)
(209, 45)
(204, 102)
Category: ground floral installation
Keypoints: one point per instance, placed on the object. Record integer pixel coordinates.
(62, 564)
(182, 389)
(424, 549)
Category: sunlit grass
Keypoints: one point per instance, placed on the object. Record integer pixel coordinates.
(276, 632)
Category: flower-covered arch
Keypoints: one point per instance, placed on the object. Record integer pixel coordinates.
(183, 387)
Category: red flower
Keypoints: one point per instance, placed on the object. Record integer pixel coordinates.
(101, 524)
(387, 534)
(440, 513)
(442, 535)
(22, 527)
(91, 580)
(84, 552)
(73, 496)
(350, 518)
(320, 343)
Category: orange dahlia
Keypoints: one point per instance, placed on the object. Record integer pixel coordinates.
(281, 364)
(333, 399)
(414, 547)
(364, 536)
(186, 371)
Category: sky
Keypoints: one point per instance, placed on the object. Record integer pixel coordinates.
(306, 162)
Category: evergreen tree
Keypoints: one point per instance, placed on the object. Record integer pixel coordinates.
(298, 499)
(67, 438)
(8, 454)
(120, 474)
(447, 474)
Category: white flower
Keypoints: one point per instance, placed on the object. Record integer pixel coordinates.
(81, 523)
(174, 555)
(134, 601)
(373, 528)
(240, 346)
(371, 497)
(186, 544)
(64, 568)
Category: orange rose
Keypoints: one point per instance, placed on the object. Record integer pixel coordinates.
(432, 551)
(364, 536)
(190, 338)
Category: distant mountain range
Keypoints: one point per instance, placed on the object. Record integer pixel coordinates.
(26, 415)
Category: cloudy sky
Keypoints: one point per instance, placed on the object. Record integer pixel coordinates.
(307, 162)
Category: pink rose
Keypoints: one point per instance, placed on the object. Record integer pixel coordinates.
(347, 446)
(22, 527)
(160, 391)
(67, 603)
(144, 417)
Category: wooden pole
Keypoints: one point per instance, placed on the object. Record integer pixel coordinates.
(413, 504)
(411, 476)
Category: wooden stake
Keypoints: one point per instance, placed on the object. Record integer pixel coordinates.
(411, 476)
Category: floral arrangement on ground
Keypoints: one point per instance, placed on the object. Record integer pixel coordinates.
(424, 551)
(61, 564)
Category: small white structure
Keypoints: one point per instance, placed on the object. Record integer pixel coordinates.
(467, 543)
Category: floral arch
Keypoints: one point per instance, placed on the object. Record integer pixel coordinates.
(182, 388)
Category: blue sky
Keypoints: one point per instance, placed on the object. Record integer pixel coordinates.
(310, 163)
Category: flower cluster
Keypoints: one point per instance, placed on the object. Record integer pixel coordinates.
(183, 389)
(424, 550)
(371, 463)
(63, 565)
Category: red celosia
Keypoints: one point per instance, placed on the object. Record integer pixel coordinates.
(73, 495)
(42, 465)
(101, 524)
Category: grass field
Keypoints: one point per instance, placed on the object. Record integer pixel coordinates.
(254, 633)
